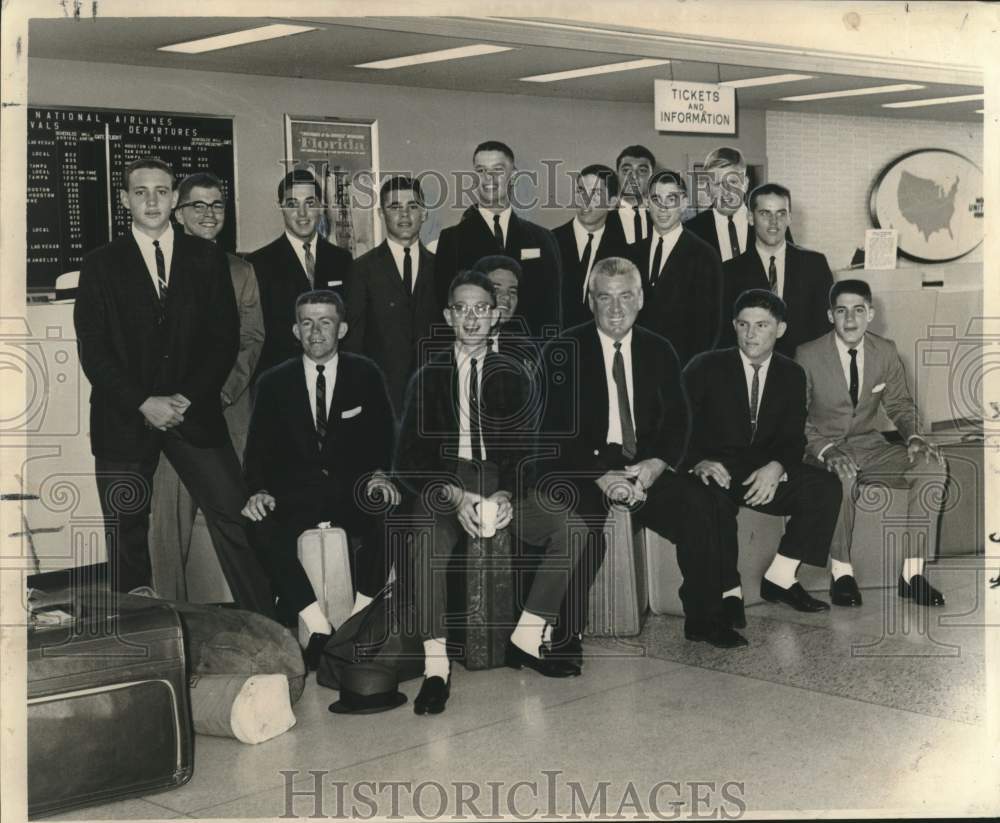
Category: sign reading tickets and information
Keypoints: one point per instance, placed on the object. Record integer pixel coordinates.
(700, 108)
(343, 155)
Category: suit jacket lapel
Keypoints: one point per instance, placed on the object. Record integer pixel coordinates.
(292, 263)
(835, 366)
(873, 369)
(514, 237)
(595, 357)
(341, 400)
(742, 397)
(790, 292)
(305, 413)
(386, 266)
(138, 264)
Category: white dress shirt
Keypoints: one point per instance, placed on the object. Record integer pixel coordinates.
(398, 256)
(145, 243)
(845, 361)
(669, 241)
(608, 349)
(741, 222)
(626, 214)
(464, 362)
(779, 263)
(487, 216)
(298, 246)
(330, 373)
(580, 232)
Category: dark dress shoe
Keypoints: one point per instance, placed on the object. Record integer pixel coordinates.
(313, 651)
(796, 597)
(547, 666)
(570, 650)
(920, 591)
(732, 607)
(433, 695)
(844, 591)
(720, 636)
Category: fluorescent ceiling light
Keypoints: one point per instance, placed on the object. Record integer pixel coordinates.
(934, 101)
(434, 56)
(237, 38)
(767, 80)
(609, 68)
(829, 95)
(980, 111)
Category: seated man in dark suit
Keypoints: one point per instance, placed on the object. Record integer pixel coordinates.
(590, 236)
(748, 405)
(682, 276)
(800, 277)
(391, 303)
(491, 227)
(852, 375)
(320, 442)
(634, 166)
(509, 336)
(296, 262)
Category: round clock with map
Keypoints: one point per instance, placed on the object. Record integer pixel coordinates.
(934, 199)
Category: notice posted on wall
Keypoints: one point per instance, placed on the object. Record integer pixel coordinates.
(881, 246)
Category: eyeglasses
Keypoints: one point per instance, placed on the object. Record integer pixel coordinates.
(200, 206)
(478, 309)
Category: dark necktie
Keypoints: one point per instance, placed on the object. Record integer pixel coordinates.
(161, 274)
(498, 231)
(772, 276)
(637, 222)
(475, 424)
(754, 399)
(624, 410)
(320, 405)
(734, 240)
(407, 271)
(310, 265)
(654, 270)
(853, 388)
(585, 262)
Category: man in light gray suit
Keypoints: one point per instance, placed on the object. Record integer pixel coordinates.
(852, 373)
(201, 211)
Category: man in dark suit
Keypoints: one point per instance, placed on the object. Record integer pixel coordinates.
(297, 261)
(201, 211)
(391, 302)
(682, 276)
(158, 332)
(491, 227)
(590, 236)
(748, 405)
(634, 166)
(852, 377)
(509, 335)
(725, 226)
(800, 277)
(322, 430)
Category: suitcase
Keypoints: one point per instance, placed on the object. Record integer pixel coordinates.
(325, 556)
(108, 710)
(619, 600)
(963, 511)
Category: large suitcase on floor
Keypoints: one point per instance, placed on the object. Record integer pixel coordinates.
(618, 602)
(963, 510)
(108, 710)
(325, 556)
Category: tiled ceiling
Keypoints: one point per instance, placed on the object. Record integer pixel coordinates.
(538, 47)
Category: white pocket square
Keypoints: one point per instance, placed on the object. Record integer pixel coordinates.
(344, 415)
(878, 388)
(336, 283)
(530, 254)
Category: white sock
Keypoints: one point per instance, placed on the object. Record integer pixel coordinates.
(734, 592)
(436, 658)
(316, 622)
(360, 601)
(838, 569)
(547, 633)
(527, 635)
(912, 566)
(782, 570)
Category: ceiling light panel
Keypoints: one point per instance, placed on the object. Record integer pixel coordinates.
(236, 38)
(591, 71)
(440, 56)
(934, 101)
(831, 95)
(767, 80)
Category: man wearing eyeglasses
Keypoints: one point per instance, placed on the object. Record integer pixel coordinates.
(852, 374)
(681, 274)
(201, 212)
(298, 261)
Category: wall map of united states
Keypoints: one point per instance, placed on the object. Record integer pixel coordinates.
(926, 204)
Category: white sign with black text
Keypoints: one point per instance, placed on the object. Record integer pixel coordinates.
(703, 108)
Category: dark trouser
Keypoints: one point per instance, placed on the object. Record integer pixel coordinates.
(810, 498)
(213, 478)
(276, 538)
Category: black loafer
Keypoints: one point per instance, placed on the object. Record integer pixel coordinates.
(313, 652)
(722, 637)
(433, 695)
(844, 591)
(920, 591)
(796, 597)
(736, 616)
(546, 666)
(570, 650)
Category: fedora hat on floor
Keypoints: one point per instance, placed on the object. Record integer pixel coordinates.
(368, 688)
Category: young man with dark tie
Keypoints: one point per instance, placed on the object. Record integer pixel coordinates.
(800, 277)
(298, 261)
(319, 450)
(852, 374)
(748, 406)
(725, 226)
(590, 236)
(682, 276)
(634, 166)
(158, 333)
